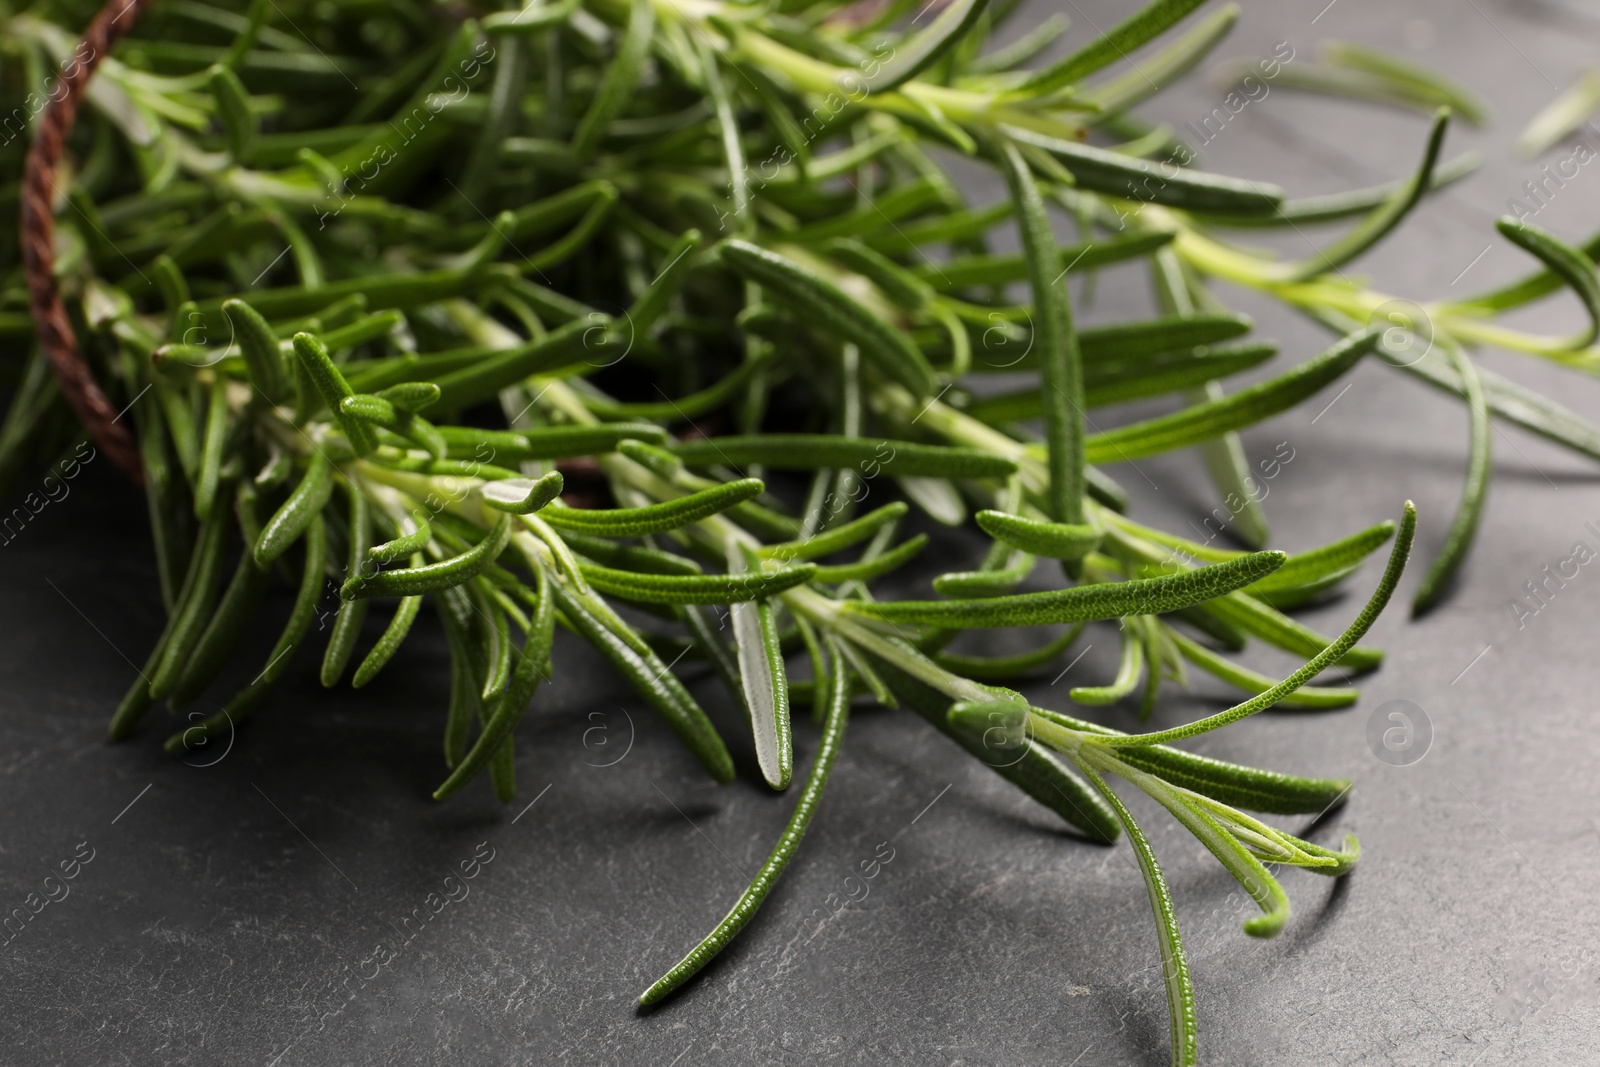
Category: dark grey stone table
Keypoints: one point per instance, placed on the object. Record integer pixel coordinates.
(296, 898)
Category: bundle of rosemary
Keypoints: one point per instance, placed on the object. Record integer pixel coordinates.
(534, 314)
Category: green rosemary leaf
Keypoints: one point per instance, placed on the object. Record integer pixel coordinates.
(967, 271)
(996, 669)
(1562, 116)
(332, 387)
(833, 727)
(966, 585)
(239, 601)
(629, 557)
(1155, 73)
(522, 496)
(1309, 573)
(481, 380)
(1139, 340)
(1118, 175)
(391, 639)
(262, 356)
(694, 405)
(240, 126)
(1034, 771)
(1475, 487)
(1174, 963)
(506, 710)
(655, 518)
(546, 442)
(1231, 783)
(298, 512)
(1117, 382)
(1236, 411)
(406, 544)
(1107, 600)
(1061, 384)
(1130, 665)
(1022, 49)
(1328, 656)
(900, 285)
(876, 567)
(246, 700)
(410, 581)
(926, 47)
(1245, 868)
(762, 678)
(1053, 539)
(1421, 84)
(1385, 218)
(1278, 630)
(818, 299)
(1139, 29)
(352, 613)
(872, 456)
(1573, 266)
(652, 303)
(1304, 211)
(654, 682)
(466, 689)
(620, 78)
(838, 538)
(1254, 682)
(696, 588)
(206, 483)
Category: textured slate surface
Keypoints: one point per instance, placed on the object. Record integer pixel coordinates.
(268, 908)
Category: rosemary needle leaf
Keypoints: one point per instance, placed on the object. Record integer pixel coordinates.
(1130, 665)
(655, 518)
(872, 456)
(533, 663)
(1254, 682)
(392, 638)
(332, 387)
(1118, 175)
(1475, 486)
(696, 588)
(1137, 30)
(1007, 668)
(297, 512)
(410, 581)
(222, 633)
(1363, 622)
(1174, 962)
(658, 686)
(817, 298)
(876, 567)
(762, 678)
(1061, 384)
(522, 496)
(194, 608)
(1235, 411)
(620, 78)
(1107, 600)
(407, 544)
(833, 726)
(352, 613)
(1034, 772)
(547, 442)
(837, 538)
(246, 700)
(262, 357)
(1569, 264)
(1385, 218)
(1052, 539)
(924, 49)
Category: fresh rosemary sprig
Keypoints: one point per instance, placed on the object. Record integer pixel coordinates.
(376, 297)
